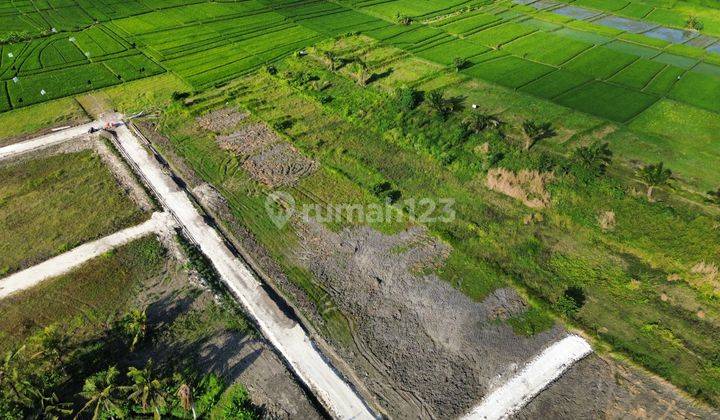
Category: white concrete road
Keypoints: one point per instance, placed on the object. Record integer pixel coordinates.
(287, 336)
(543, 370)
(47, 140)
(66, 262)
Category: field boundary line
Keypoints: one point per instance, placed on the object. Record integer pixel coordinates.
(64, 263)
(537, 375)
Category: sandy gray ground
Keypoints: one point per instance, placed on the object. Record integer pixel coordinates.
(597, 388)
(428, 350)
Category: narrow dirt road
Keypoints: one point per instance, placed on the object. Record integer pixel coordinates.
(549, 365)
(72, 259)
(286, 335)
(47, 140)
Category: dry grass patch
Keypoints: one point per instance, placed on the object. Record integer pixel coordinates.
(526, 186)
(280, 165)
(221, 120)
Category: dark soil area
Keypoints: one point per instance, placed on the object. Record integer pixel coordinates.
(599, 388)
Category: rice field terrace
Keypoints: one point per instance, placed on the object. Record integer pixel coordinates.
(578, 140)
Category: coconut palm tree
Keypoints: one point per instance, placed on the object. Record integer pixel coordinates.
(331, 60)
(654, 176)
(185, 398)
(146, 389)
(134, 324)
(478, 122)
(102, 394)
(596, 157)
(52, 409)
(714, 196)
(535, 132)
(21, 389)
(54, 343)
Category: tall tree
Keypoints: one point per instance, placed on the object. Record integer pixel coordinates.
(534, 132)
(147, 390)
(102, 393)
(134, 324)
(714, 196)
(595, 157)
(653, 176)
(477, 122)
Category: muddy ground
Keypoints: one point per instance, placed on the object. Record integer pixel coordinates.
(599, 388)
(425, 348)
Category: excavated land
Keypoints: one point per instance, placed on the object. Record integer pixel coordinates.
(599, 388)
(425, 349)
(279, 166)
(221, 120)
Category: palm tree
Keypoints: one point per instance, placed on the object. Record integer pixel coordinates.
(654, 176)
(54, 343)
(535, 132)
(442, 106)
(360, 71)
(52, 409)
(460, 63)
(146, 389)
(185, 397)
(714, 196)
(134, 324)
(101, 392)
(478, 122)
(23, 391)
(331, 60)
(596, 157)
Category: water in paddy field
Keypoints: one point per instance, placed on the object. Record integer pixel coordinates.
(625, 24)
(652, 30)
(576, 12)
(675, 36)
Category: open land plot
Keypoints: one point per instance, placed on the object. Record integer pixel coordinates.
(183, 317)
(16, 124)
(56, 201)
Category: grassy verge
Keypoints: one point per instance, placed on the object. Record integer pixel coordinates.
(90, 295)
(52, 204)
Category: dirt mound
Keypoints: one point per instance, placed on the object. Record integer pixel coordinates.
(221, 119)
(248, 140)
(426, 349)
(526, 186)
(280, 165)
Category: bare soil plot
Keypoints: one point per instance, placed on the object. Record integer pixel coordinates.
(425, 348)
(221, 119)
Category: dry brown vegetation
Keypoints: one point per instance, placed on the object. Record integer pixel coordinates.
(221, 119)
(526, 186)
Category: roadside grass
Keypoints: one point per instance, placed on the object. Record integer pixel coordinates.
(28, 120)
(52, 204)
(84, 298)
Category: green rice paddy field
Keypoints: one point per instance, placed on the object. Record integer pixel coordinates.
(650, 100)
